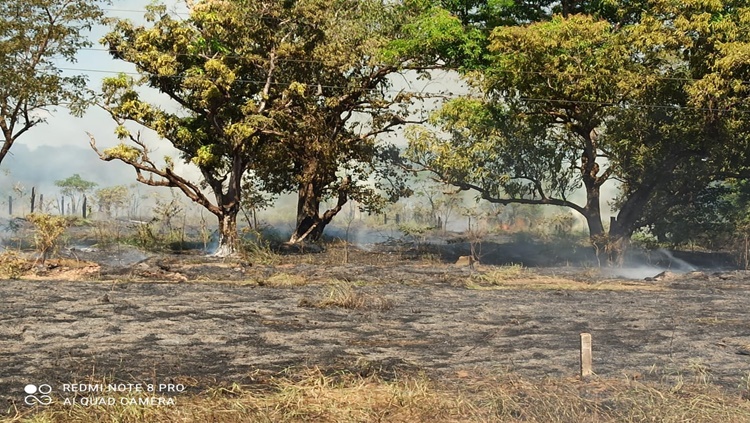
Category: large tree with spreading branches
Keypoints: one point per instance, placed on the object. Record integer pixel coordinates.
(291, 93)
(580, 100)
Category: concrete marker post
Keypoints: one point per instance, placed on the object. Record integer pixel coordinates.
(586, 357)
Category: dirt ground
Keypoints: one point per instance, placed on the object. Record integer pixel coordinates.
(201, 321)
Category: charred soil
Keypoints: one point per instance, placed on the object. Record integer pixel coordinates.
(129, 316)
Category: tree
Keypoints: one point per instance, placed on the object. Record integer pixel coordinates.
(669, 157)
(112, 198)
(254, 199)
(224, 67)
(579, 101)
(75, 188)
(329, 150)
(536, 138)
(34, 36)
(262, 87)
(442, 204)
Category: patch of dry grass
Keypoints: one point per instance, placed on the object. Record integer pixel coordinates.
(342, 294)
(606, 400)
(13, 265)
(715, 320)
(259, 252)
(516, 276)
(312, 394)
(282, 280)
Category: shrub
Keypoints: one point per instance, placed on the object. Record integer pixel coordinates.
(47, 232)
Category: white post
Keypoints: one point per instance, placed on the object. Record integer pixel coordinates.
(586, 356)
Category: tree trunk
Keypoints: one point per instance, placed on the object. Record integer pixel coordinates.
(228, 238)
(310, 224)
(309, 228)
(592, 181)
(628, 219)
(593, 213)
(618, 241)
(593, 216)
(566, 6)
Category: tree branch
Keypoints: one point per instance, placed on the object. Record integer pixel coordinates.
(143, 164)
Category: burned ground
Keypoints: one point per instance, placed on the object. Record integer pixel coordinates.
(203, 321)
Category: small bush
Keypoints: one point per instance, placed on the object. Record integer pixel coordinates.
(47, 232)
(259, 251)
(504, 273)
(108, 232)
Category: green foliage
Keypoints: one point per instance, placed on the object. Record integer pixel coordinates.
(638, 92)
(254, 199)
(47, 232)
(75, 188)
(112, 198)
(124, 152)
(414, 230)
(269, 88)
(510, 147)
(646, 240)
(167, 227)
(718, 218)
(437, 35)
(36, 37)
(75, 185)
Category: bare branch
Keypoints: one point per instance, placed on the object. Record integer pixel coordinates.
(169, 178)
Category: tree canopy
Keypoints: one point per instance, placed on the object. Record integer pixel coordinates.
(650, 97)
(34, 36)
(648, 100)
(75, 188)
(269, 88)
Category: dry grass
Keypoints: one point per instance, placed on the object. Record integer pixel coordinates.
(13, 265)
(314, 395)
(516, 276)
(715, 320)
(260, 253)
(284, 280)
(340, 294)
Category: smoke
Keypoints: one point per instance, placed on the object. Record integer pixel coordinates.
(646, 264)
(675, 264)
(362, 237)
